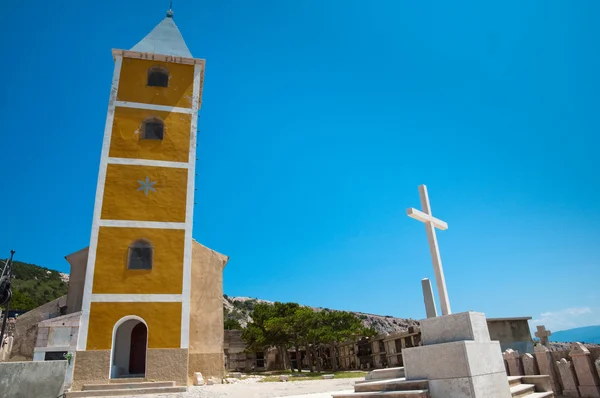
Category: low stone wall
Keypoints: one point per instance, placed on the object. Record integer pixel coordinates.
(41, 379)
(574, 372)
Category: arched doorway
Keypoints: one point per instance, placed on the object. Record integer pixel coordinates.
(130, 340)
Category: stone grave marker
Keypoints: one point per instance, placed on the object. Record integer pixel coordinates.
(546, 366)
(515, 367)
(543, 335)
(569, 380)
(589, 383)
(530, 367)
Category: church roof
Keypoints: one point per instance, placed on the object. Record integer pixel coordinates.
(164, 39)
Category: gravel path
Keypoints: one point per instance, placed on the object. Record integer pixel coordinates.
(264, 390)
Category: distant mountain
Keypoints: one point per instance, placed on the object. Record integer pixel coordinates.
(587, 334)
(240, 309)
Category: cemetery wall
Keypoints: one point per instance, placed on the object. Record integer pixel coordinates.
(574, 372)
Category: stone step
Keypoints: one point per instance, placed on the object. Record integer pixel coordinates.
(548, 394)
(387, 373)
(514, 380)
(386, 394)
(125, 380)
(127, 386)
(400, 384)
(521, 390)
(125, 392)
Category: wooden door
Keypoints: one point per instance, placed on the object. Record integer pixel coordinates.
(137, 353)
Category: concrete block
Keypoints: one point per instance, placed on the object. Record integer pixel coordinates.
(327, 377)
(483, 386)
(32, 379)
(453, 360)
(455, 327)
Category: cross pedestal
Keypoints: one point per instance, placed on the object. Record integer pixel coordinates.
(458, 358)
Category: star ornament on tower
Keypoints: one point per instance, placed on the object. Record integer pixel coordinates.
(147, 186)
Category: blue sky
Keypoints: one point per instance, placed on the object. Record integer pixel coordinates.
(319, 121)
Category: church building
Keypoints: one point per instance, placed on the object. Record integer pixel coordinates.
(151, 297)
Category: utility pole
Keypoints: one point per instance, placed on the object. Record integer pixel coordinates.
(5, 292)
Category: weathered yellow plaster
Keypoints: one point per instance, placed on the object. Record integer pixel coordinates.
(112, 276)
(126, 132)
(163, 320)
(123, 201)
(134, 78)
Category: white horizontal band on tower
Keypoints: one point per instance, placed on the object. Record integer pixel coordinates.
(148, 162)
(141, 224)
(129, 298)
(152, 107)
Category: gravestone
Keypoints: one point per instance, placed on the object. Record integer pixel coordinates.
(530, 367)
(543, 335)
(589, 383)
(515, 367)
(546, 366)
(569, 380)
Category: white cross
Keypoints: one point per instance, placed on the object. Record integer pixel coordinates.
(430, 224)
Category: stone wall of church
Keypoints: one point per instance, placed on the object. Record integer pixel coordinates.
(206, 312)
(26, 328)
(78, 262)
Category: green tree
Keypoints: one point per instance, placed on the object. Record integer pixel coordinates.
(286, 325)
(232, 324)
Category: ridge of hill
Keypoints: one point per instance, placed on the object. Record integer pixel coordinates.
(240, 309)
(33, 285)
(586, 334)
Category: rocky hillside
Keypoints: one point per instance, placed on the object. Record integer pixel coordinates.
(33, 285)
(240, 309)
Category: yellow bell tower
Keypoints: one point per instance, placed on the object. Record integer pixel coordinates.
(135, 320)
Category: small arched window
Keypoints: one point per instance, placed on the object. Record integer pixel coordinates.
(140, 255)
(153, 129)
(158, 77)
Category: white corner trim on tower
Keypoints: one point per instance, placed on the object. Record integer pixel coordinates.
(189, 212)
(89, 274)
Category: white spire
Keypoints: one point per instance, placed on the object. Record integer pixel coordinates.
(165, 39)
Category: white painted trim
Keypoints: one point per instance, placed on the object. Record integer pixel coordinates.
(148, 162)
(140, 298)
(189, 213)
(114, 333)
(152, 107)
(157, 57)
(89, 274)
(142, 224)
(67, 348)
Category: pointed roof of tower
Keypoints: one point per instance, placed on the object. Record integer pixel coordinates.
(164, 39)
